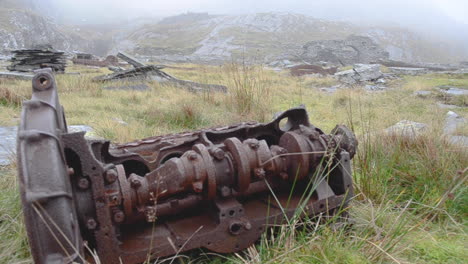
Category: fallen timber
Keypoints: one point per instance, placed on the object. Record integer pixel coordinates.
(218, 188)
(155, 73)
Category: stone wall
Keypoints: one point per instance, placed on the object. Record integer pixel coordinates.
(353, 49)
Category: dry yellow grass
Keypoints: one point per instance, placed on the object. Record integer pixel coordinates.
(388, 228)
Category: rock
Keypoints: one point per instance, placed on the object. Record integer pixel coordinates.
(447, 106)
(458, 141)
(381, 80)
(408, 71)
(422, 94)
(374, 88)
(452, 122)
(7, 145)
(453, 90)
(406, 128)
(120, 121)
(8, 142)
(331, 89)
(16, 76)
(134, 87)
(360, 73)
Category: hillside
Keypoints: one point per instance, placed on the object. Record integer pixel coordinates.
(23, 28)
(266, 37)
(205, 38)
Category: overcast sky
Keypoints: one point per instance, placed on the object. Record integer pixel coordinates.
(406, 11)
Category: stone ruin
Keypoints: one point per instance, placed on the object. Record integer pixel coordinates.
(353, 49)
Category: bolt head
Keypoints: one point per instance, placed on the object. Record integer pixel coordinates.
(111, 175)
(91, 224)
(248, 226)
(197, 187)
(135, 183)
(218, 154)
(119, 216)
(260, 173)
(192, 156)
(254, 145)
(83, 183)
(225, 191)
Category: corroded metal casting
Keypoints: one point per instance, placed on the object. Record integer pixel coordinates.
(217, 188)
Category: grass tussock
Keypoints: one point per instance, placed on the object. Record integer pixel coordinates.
(249, 92)
(411, 194)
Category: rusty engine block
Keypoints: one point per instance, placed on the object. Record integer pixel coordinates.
(217, 188)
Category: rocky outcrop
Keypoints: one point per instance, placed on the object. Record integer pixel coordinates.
(353, 49)
(360, 73)
(23, 29)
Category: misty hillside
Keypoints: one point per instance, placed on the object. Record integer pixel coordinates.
(266, 37)
(201, 37)
(24, 28)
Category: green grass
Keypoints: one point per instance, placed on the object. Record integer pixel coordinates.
(411, 202)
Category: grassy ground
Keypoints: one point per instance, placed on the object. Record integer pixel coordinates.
(412, 200)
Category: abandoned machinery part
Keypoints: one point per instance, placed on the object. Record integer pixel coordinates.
(217, 188)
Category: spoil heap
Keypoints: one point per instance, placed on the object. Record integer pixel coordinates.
(44, 56)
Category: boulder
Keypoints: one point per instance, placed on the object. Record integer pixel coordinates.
(360, 73)
(406, 128)
(447, 106)
(373, 88)
(422, 94)
(408, 71)
(455, 91)
(452, 123)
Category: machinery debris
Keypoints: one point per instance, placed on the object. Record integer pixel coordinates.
(217, 188)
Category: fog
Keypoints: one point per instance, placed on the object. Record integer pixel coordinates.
(444, 18)
(411, 12)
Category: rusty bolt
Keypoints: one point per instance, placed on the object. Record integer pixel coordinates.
(70, 171)
(83, 183)
(218, 154)
(254, 145)
(259, 172)
(197, 186)
(314, 135)
(111, 176)
(192, 156)
(119, 216)
(284, 175)
(135, 183)
(91, 224)
(225, 191)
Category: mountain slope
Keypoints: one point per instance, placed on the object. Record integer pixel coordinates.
(267, 37)
(23, 28)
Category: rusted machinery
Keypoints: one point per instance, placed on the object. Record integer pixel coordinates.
(217, 188)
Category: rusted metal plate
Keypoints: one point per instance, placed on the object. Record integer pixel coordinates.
(164, 195)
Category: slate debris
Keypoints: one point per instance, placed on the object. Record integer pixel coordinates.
(44, 56)
(142, 72)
